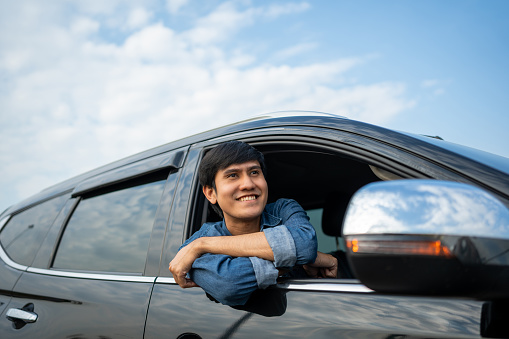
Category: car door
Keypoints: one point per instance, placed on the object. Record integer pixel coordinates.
(301, 307)
(311, 310)
(21, 234)
(90, 278)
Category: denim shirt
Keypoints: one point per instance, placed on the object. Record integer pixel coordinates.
(231, 280)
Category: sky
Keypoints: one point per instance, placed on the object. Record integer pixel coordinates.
(87, 82)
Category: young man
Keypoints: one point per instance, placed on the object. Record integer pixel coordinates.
(255, 242)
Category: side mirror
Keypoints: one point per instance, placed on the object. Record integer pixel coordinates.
(428, 237)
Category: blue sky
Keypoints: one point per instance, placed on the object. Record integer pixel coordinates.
(84, 83)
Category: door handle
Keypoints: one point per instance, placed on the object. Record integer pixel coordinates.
(25, 316)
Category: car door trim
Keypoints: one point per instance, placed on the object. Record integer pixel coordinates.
(342, 285)
(91, 276)
(8, 261)
(3, 221)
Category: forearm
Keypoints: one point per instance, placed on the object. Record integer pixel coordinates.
(246, 245)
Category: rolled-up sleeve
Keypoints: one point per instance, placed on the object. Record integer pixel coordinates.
(294, 241)
(265, 272)
(281, 242)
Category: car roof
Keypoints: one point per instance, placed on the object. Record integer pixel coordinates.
(493, 160)
(426, 146)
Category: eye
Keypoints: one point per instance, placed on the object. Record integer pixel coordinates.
(231, 175)
(255, 172)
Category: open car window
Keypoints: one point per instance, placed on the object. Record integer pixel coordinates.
(320, 180)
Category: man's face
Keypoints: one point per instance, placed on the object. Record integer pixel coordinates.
(241, 192)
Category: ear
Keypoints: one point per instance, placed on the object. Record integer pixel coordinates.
(210, 194)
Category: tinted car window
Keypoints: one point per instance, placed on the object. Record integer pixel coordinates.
(111, 232)
(24, 232)
(326, 244)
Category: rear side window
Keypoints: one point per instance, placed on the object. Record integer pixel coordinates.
(23, 234)
(111, 232)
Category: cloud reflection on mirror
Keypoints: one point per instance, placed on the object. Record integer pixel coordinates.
(426, 207)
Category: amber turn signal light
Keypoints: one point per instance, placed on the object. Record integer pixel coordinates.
(425, 247)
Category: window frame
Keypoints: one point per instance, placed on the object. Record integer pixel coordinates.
(354, 146)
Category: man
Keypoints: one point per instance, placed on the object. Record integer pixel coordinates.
(255, 242)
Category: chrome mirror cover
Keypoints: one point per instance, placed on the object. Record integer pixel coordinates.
(428, 237)
(426, 207)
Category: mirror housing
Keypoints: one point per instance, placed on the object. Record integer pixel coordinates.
(428, 237)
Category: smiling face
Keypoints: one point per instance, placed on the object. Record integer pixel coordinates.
(241, 192)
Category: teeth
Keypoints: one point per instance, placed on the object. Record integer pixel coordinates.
(252, 197)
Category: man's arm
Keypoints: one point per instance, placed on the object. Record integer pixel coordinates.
(246, 245)
(293, 242)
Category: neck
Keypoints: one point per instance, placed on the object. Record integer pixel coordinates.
(242, 227)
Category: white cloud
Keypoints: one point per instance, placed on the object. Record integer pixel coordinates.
(430, 83)
(435, 85)
(138, 17)
(110, 7)
(226, 20)
(294, 51)
(276, 10)
(220, 24)
(74, 98)
(155, 43)
(175, 5)
(84, 26)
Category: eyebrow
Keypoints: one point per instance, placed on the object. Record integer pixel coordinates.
(237, 169)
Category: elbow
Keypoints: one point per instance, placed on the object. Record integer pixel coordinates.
(306, 246)
(231, 295)
(311, 256)
(310, 252)
(222, 287)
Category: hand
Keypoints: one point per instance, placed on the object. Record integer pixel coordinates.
(325, 266)
(182, 263)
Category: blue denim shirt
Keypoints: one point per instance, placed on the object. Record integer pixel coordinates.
(231, 280)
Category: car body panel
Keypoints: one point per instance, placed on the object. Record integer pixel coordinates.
(9, 277)
(290, 312)
(79, 308)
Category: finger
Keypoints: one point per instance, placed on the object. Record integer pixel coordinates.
(328, 273)
(333, 273)
(181, 281)
(179, 277)
(185, 282)
(189, 283)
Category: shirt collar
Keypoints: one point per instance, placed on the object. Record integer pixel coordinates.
(267, 220)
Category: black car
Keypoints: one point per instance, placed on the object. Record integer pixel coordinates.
(424, 224)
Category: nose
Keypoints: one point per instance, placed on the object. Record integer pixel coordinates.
(246, 183)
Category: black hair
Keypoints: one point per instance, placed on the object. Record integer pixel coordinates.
(223, 156)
